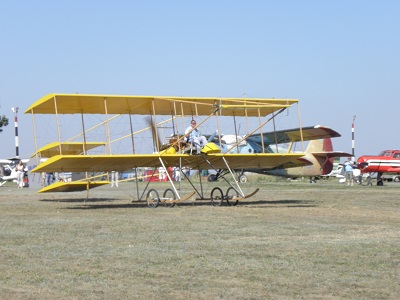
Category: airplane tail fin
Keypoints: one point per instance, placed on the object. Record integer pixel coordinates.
(328, 166)
(321, 150)
(327, 145)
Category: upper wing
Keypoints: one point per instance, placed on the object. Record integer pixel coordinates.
(158, 105)
(294, 135)
(107, 163)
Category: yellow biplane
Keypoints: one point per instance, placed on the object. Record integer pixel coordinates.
(75, 153)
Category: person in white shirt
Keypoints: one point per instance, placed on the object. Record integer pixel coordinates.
(20, 169)
(193, 136)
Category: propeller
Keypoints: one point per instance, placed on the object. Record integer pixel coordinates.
(155, 133)
(175, 140)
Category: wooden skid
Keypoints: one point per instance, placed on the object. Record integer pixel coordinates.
(248, 196)
(183, 199)
(238, 198)
(177, 200)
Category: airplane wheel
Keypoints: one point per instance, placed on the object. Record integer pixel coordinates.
(217, 196)
(243, 178)
(169, 196)
(379, 183)
(212, 178)
(231, 196)
(152, 198)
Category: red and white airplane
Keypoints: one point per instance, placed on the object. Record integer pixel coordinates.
(388, 161)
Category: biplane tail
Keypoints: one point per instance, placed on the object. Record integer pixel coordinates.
(322, 145)
(321, 150)
(319, 156)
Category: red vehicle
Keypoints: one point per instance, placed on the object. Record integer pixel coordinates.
(388, 161)
(157, 175)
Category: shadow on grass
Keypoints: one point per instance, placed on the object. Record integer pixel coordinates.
(79, 200)
(279, 203)
(108, 206)
(257, 203)
(142, 204)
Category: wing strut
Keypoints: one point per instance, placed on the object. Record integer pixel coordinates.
(201, 195)
(137, 184)
(259, 127)
(170, 179)
(148, 182)
(233, 176)
(239, 190)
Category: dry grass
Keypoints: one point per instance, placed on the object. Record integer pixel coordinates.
(291, 240)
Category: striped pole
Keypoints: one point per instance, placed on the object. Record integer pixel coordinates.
(352, 138)
(15, 110)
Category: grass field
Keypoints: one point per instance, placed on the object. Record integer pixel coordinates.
(291, 240)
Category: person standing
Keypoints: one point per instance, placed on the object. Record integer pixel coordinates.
(49, 178)
(114, 178)
(177, 174)
(20, 169)
(348, 169)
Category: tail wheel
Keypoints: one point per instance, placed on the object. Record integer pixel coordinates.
(217, 196)
(231, 196)
(152, 198)
(243, 178)
(169, 198)
(212, 177)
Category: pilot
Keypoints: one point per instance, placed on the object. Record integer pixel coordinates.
(193, 136)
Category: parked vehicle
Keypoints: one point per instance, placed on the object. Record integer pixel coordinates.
(391, 177)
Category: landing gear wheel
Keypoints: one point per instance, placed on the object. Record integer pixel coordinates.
(379, 183)
(212, 177)
(243, 178)
(152, 198)
(169, 198)
(217, 196)
(231, 196)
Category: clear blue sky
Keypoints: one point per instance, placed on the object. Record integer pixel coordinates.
(339, 58)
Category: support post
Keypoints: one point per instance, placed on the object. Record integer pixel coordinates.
(15, 111)
(352, 139)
